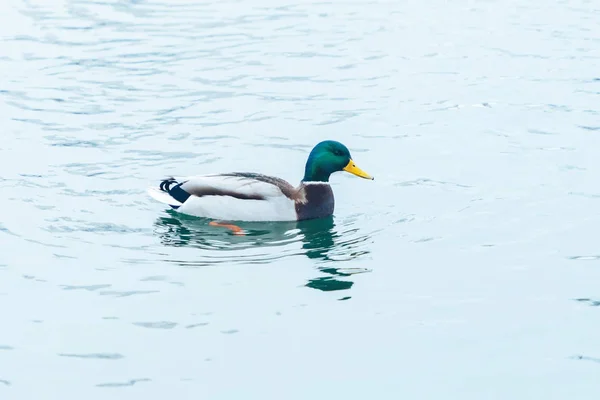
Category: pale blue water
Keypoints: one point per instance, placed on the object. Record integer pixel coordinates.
(468, 269)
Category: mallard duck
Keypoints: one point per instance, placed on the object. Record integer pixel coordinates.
(247, 196)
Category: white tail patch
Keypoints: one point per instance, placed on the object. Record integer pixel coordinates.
(163, 197)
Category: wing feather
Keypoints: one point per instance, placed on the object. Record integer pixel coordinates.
(243, 186)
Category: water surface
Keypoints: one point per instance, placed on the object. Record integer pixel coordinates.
(468, 269)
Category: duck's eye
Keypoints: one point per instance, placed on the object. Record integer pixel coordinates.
(337, 152)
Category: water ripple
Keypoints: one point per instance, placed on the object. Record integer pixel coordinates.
(586, 358)
(123, 384)
(591, 302)
(90, 288)
(584, 258)
(97, 356)
(127, 293)
(196, 325)
(157, 325)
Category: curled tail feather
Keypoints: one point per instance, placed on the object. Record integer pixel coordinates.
(165, 185)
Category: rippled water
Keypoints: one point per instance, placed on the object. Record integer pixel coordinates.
(468, 269)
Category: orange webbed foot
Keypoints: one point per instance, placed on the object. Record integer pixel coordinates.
(236, 230)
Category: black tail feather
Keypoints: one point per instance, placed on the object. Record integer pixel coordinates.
(165, 185)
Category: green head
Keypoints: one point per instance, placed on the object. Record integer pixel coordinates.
(328, 157)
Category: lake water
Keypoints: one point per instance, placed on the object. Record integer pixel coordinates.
(468, 269)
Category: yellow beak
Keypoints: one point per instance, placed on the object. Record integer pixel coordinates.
(353, 169)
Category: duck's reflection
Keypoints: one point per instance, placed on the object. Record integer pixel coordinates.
(322, 240)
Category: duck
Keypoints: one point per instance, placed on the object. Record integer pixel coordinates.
(250, 196)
